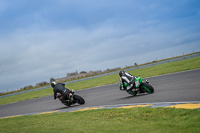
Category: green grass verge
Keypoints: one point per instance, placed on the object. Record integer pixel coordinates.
(134, 120)
(172, 67)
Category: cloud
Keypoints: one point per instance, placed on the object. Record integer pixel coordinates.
(44, 39)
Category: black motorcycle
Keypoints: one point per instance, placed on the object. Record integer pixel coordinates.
(71, 99)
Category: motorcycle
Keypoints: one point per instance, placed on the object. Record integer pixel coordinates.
(139, 86)
(72, 99)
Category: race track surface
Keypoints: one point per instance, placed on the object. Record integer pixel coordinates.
(176, 87)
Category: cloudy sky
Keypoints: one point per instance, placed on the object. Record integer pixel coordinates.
(40, 39)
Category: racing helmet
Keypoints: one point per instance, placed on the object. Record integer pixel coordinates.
(53, 84)
(121, 73)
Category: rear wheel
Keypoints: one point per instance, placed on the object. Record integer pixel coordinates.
(79, 99)
(147, 87)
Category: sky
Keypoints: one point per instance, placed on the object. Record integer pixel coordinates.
(41, 39)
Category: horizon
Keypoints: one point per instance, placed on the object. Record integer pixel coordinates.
(104, 71)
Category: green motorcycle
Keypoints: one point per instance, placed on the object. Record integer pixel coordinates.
(139, 86)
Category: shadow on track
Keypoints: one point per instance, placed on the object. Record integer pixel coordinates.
(138, 95)
(66, 107)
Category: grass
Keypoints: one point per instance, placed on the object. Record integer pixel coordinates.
(151, 120)
(172, 67)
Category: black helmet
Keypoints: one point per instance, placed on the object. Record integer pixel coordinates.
(53, 84)
(121, 73)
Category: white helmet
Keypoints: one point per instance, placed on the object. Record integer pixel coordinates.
(53, 84)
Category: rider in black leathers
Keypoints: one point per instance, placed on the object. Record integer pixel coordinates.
(60, 88)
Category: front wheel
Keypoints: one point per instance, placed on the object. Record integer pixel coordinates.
(79, 99)
(147, 87)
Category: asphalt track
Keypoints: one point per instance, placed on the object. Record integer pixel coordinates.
(176, 87)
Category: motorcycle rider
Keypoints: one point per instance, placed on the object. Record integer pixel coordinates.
(126, 78)
(60, 88)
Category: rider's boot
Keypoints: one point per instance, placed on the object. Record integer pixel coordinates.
(66, 102)
(128, 89)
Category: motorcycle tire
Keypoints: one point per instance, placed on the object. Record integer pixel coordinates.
(79, 99)
(147, 87)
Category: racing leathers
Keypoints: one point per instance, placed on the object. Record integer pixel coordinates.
(60, 88)
(129, 79)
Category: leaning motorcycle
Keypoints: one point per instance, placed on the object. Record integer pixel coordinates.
(139, 86)
(72, 99)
